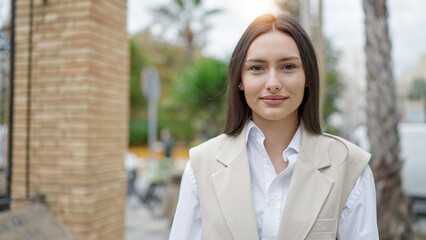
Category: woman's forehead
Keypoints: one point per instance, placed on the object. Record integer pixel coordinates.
(273, 44)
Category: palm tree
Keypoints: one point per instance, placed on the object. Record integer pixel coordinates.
(198, 95)
(190, 19)
(382, 115)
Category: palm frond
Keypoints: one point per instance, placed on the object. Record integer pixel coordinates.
(197, 2)
(213, 12)
(179, 2)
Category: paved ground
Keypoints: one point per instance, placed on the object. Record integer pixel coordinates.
(141, 225)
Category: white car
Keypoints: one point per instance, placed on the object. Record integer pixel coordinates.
(413, 155)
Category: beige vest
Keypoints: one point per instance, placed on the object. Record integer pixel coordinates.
(326, 171)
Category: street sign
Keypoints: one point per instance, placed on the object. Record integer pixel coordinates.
(150, 83)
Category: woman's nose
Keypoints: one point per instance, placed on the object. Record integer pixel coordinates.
(273, 83)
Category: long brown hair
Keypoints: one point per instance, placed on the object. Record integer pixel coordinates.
(238, 111)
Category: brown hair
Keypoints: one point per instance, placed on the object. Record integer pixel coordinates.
(238, 110)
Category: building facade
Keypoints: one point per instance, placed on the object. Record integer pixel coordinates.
(71, 112)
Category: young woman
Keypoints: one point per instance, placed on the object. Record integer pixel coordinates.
(273, 174)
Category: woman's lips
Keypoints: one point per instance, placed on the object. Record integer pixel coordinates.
(273, 99)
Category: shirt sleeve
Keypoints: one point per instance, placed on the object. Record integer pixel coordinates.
(359, 218)
(187, 220)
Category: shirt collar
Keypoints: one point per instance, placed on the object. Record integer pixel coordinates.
(295, 142)
(251, 127)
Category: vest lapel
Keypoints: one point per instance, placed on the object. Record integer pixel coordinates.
(308, 189)
(233, 189)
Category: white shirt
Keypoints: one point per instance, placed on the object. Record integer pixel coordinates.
(269, 190)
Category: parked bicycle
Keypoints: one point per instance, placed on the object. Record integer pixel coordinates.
(152, 194)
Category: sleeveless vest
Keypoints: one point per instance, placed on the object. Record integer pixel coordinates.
(326, 170)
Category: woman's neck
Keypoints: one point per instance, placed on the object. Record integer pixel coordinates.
(280, 132)
(278, 135)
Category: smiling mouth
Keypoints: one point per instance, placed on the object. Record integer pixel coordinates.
(273, 99)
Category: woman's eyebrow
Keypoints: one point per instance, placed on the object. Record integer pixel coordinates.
(255, 60)
(288, 58)
(281, 60)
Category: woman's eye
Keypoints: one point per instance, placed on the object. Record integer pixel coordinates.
(289, 67)
(256, 68)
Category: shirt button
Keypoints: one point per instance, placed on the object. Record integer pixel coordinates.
(273, 202)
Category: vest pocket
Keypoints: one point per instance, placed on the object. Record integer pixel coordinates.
(324, 226)
(323, 229)
(321, 236)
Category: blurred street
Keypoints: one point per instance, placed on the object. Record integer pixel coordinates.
(141, 221)
(140, 224)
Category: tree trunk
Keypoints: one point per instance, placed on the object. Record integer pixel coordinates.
(305, 14)
(320, 46)
(189, 37)
(393, 206)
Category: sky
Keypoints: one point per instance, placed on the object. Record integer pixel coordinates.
(343, 25)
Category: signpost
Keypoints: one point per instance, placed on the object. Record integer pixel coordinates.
(151, 89)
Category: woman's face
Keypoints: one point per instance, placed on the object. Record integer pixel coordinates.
(273, 79)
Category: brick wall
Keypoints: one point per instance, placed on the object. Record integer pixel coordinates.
(79, 112)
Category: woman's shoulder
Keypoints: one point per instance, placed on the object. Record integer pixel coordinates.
(204, 156)
(351, 149)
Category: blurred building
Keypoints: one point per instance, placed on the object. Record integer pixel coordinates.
(412, 110)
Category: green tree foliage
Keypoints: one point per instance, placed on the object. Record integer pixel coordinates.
(166, 57)
(333, 89)
(137, 125)
(197, 99)
(137, 62)
(189, 18)
(146, 50)
(418, 92)
(138, 131)
(418, 89)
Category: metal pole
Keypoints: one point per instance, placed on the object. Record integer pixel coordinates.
(11, 102)
(152, 127)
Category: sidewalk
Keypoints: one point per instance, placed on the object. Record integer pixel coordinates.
(140, 225)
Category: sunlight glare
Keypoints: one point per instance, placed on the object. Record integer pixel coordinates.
(254, 8)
